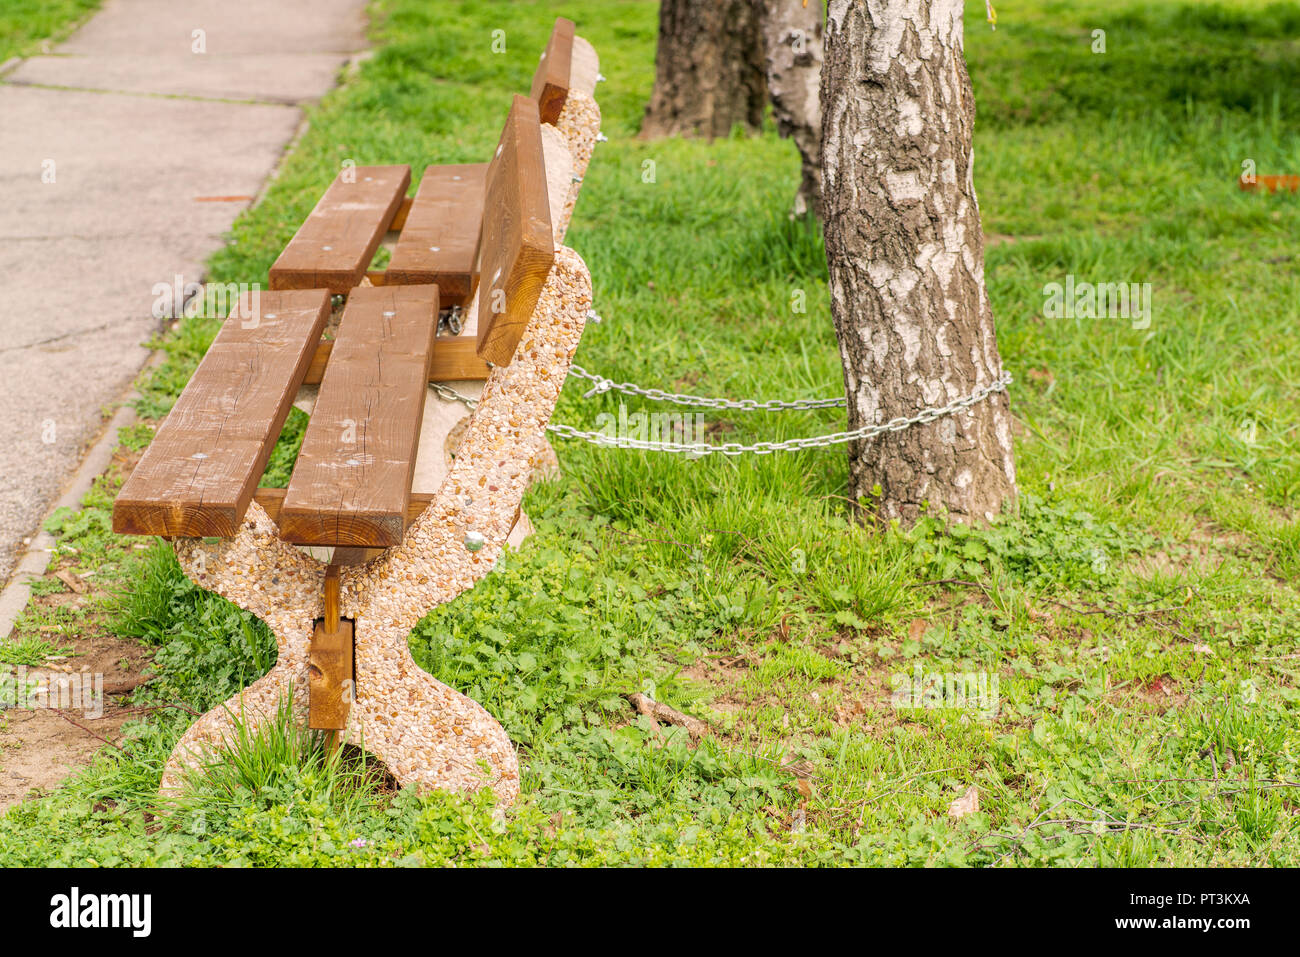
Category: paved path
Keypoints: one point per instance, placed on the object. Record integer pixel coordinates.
(105, 146)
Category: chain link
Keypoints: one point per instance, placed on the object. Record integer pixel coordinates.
(603, 385)
(451, 321)
(698, 449)
(451, 395)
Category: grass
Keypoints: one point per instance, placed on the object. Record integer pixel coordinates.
(28, 27)
(30, 651)
(1136, 618)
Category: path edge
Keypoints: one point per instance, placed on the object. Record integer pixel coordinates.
(36, 559)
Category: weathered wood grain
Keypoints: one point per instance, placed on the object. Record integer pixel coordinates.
(454, 357)
(271, 499)
(335, 244)
(516, 250)
(551, 79)
(198, 474)
(331, 674)
(352, 481)
(440, 236)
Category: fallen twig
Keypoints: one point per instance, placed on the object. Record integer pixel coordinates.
(1104, 823)
(948, 581)
(129, 685)
(71, 580)
(646, 705)
(77, 724)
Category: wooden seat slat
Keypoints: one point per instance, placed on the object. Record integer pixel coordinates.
(272, 499)
(516, 247)
(440, 236)
(335, 244)
(351, 485)
(198, 474)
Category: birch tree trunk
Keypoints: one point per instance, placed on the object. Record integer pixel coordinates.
(709, 72)
(792, 46)
(906, 257)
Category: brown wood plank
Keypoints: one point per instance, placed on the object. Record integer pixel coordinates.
(352, 481)
(517, 249)
(198, 474)
(379, 277)
(335, 244)
(551, 80)
(440, 237)
(399, 218)
(454, 357)
(271, 499)
(356, 556)
(331, 675)
(319, 360)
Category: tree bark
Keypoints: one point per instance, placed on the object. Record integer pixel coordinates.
(792, 46)
(906, 257)
(709, 72)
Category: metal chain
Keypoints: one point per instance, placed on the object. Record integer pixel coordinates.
(451, 395)
(697, 449)
(451, 321)
(659, 395)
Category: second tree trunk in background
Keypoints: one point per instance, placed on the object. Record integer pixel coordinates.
(709, 72)
(792, 44)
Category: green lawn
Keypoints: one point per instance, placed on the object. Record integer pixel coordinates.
(25, 24)
(1136, 618)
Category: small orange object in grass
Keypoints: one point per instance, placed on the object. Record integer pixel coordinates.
(1271, 183)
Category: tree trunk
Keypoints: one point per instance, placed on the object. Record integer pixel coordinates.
(708, 69)
(792, 44)
(906, 258)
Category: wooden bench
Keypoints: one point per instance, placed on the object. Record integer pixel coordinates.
(436, 230)
(354, 488)
(435, 236)
(351, 484)
(440, 237)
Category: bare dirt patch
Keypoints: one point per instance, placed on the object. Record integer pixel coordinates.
(39, 747)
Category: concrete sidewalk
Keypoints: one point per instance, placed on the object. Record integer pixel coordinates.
(105, 147)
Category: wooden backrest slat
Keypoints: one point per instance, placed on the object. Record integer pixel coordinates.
(442, 226)
(516, 248)
(336, 243)
(440, 237)
(551, 79)
(198, 474)
(351, 485)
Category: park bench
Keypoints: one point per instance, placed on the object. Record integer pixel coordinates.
(395, 548)
(434, 235)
